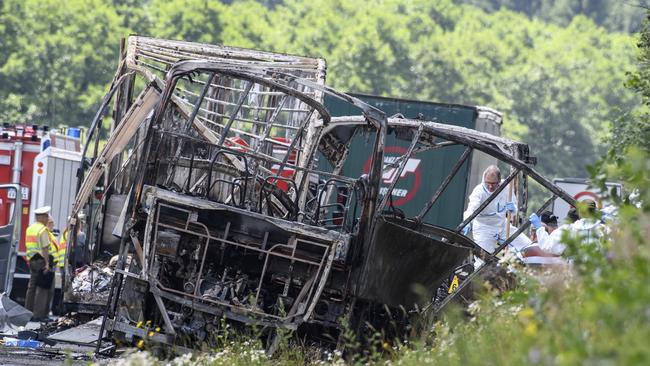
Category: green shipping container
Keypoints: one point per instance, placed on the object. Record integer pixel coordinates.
(425, 171)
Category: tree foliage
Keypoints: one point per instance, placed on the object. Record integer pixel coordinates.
(633, 129)
(628, 157)
(56, 59)
(558, 85)
(614, 15)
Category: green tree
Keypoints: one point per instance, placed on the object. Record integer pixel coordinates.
(540, 76)
(188, 20)
(615, 15)
(633, 128)
(628, 157)
(57, 59)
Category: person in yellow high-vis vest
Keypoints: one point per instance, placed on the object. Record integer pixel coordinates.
(54, 243)
(57, 252)
(37, 243)
(59, 258)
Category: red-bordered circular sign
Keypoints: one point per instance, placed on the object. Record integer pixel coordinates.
(580, 196)
(413, 190)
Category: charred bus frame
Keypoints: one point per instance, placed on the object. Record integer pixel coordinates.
(212, 227)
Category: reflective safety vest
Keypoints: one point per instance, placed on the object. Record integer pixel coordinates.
(59, 258)
(32, 234)
(54, 249)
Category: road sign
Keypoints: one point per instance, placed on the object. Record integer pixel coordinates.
(580, 190)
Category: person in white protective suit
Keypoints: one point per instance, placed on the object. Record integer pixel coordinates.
(549, 235)
(489, 227)
(589, 229)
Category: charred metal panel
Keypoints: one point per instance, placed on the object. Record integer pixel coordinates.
(155, 56)
(228, 262)
(404, 267)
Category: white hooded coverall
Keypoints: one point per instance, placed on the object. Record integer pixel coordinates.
(552, 243)
(588, 230)
(489, 227)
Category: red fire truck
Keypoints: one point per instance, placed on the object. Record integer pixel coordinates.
(44, 164)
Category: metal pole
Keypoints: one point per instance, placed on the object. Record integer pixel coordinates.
(17, 168)
(231, 119)
(524, 226)
(444, 184)
(508, 215)
(400, 169)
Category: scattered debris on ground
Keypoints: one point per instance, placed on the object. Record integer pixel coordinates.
(92, 281)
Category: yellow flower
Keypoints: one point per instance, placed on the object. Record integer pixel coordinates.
(139, 325)
(527, 313)
(531, 329)
(140, 344)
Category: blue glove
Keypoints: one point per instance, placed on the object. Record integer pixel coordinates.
(510, 206)
(535, 221)
(467, 229)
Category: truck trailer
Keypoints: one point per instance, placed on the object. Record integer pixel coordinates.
(423, 174)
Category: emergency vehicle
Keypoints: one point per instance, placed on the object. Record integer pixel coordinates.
(44, 164)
